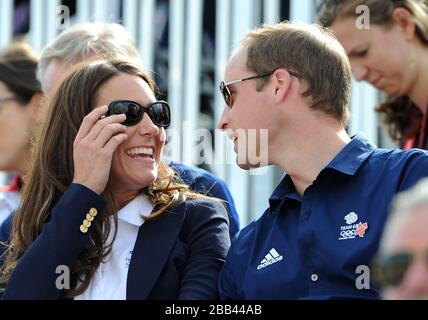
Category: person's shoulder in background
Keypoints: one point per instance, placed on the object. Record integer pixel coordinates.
(204, 182)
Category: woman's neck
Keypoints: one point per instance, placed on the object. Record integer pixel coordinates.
(124, 198)
(419, 91)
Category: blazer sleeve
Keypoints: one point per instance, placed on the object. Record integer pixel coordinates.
(207, 234)
(58, 244)
(217, 188)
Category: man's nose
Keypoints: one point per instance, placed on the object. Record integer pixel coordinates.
(223, 123)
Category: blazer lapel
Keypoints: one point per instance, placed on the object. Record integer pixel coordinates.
(154, 242)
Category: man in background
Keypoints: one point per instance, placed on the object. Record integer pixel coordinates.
(403, 255)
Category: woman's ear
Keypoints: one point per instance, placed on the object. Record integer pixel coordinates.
(37, 105)
(405, 21)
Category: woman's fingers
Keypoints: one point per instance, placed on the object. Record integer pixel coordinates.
(115, 141)
(101, 124)
(108, 132)
(89, 121)
(95, 143)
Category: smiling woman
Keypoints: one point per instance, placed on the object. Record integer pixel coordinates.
(100, 201)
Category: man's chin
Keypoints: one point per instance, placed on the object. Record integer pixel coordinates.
(247, 165)
(244, 166)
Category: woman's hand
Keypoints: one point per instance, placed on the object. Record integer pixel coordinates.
(94, 146)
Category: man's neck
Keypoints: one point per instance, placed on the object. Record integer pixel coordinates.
(308, 154)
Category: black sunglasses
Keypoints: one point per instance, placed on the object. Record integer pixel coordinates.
(158, 112)
(227, 95)
(391, 269)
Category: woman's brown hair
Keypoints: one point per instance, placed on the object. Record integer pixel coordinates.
(399, 113)
(53, 171)
(18, 65)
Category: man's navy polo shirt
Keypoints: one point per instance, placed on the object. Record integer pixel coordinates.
(310, 247)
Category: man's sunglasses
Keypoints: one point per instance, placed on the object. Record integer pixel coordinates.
(390, 270)
(158, 112)
(227, 95)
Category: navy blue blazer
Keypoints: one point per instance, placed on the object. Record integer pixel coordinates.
(176, 256)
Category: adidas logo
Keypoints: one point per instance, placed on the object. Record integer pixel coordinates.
(271, 258)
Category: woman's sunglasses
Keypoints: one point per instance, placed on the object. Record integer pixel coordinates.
(158, 112)
(391, 269)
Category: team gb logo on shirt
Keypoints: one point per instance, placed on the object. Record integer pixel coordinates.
(352, 229)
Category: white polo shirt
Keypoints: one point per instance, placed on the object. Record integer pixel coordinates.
(109, 281)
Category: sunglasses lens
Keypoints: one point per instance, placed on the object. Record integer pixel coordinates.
(225, 93)
(133, 116)
(160, 114)
(132, 111)
(394, 267)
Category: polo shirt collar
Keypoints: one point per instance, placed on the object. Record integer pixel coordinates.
(352, 156)
(285, 188)
(136, 211)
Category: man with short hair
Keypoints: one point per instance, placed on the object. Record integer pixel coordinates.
(326, 216)
(82, 42)
(403, 253)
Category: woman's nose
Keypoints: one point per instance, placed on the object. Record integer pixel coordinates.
(147, 127)
(360, 71)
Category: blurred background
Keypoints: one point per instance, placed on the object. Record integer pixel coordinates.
(185, 44)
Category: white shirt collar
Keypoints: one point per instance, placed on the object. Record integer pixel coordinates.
(136, 211)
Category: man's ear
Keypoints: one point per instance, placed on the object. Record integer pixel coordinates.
(404, 20)
(37, 105)
(282, 84)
